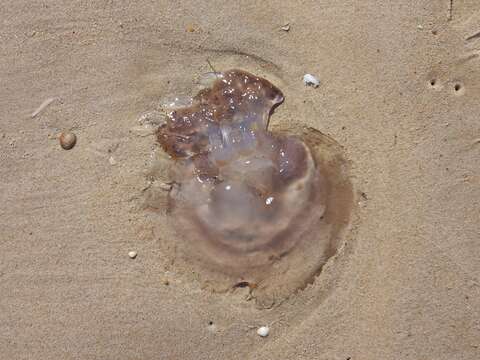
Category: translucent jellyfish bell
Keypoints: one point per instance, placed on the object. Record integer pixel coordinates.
(251, 204)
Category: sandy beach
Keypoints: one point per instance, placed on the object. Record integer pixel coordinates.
(399, 90)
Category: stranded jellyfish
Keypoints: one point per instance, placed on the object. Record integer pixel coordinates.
(251, 207)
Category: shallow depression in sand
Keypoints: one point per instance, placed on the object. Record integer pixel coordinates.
(249, 206)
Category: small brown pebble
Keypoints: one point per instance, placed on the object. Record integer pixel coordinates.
(67, 140)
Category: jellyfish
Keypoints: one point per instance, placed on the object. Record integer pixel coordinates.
(251, 206)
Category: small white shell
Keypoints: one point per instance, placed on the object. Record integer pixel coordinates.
(263, 331)
(132, 254)
(310, 80)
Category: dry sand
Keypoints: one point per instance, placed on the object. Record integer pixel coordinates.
(404, 286)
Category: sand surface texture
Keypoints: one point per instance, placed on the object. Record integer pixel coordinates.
(400, 89)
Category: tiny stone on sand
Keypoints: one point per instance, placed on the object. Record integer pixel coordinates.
(263, 331)
(67, 140)
(132, 254)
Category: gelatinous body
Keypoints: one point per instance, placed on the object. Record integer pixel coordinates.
(245, 199)
(240, 185)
